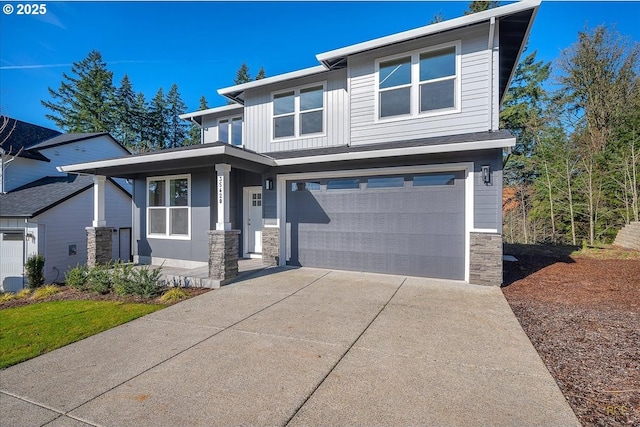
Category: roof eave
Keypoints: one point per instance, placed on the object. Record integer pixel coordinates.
(338, 55)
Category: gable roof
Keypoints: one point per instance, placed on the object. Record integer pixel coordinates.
(43, 194)
(515, 23)
(19, 137)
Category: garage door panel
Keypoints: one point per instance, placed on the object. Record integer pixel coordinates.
(402, 230)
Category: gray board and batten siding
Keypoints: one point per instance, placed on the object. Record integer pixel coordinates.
(474, 75)
(258, 115)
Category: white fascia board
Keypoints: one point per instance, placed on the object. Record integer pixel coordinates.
(275, 79)
(216, 110)
(395, 152)
(173, 155)
(439, 27)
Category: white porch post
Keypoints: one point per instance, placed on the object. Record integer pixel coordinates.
(222, 196)
(99, 219)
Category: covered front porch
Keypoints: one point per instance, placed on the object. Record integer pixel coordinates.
(196, 210)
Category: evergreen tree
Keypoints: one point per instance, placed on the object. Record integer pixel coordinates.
(438, 17)
(242, 75)
(124, 103)
(479, 6)
(261, 74)
(176, 131)
(84, 101)
(158, 122)
(140, 124)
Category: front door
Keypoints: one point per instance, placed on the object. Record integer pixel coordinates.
(253, 221)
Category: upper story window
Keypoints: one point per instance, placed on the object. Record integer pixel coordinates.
(298, 112)
(169, 207)
(230, 130)
(421, 82)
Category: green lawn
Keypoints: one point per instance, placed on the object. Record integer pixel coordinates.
(32, 330)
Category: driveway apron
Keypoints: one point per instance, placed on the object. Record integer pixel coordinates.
(299, 347)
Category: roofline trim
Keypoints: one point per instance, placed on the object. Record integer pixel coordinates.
(172, 155)
(427, 30)
(215, 110)
(397, 152)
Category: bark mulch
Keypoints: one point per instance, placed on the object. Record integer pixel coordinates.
(582, 314)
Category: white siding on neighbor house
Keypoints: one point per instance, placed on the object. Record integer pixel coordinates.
(22, 171)
(472, 117)
(259, 115)
(65, 225)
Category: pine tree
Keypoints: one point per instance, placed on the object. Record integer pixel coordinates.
(479, 6)
(124, 103)
(140, 124)
(176, 132)
(438, 17)
(84, 101)
(261, 74)
(242, 75)
(159, 122)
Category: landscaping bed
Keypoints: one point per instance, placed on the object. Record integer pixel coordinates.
(581, 311)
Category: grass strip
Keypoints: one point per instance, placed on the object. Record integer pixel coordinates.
(32, 330)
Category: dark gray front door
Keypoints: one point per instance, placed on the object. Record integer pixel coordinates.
(402, 224)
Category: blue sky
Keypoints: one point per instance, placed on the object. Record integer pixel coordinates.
(200, 45)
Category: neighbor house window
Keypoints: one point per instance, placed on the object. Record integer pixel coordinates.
(418, 83)
(169, 207)
(230, 130)
(298, 112)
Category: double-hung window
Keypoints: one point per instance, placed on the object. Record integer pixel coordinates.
(169, 207)
(230, 130)
(298, 112)
(419, 83)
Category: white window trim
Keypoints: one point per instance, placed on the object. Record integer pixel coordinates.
(167, 179)
(229, 119)
(297, 113)
(466, 167)
(415, 84)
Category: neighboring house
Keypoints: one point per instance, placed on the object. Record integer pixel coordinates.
(385, 158)
(44, 211)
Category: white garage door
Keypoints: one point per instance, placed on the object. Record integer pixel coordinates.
(410, 224)
(11, 260)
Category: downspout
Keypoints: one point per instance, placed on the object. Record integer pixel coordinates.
(201, 129)
(492, 27)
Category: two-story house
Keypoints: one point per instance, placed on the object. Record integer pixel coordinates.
(386, 157)
(44, 211)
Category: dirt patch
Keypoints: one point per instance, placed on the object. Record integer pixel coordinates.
(582, 314)
(67, 293)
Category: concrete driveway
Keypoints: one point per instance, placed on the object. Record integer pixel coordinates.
(299, 347)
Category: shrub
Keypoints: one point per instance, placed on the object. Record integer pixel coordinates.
(23, 293)
(77, 277)
(146, 282)
(35, 271)
(45, 292)
(99, 279)
(122, 279)
(7, 296)
(174, 295)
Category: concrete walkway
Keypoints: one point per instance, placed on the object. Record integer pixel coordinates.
(299, 347)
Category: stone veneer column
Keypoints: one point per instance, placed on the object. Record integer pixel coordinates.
(486, 259)
(99, 245)
(271, 246)
(223, 254)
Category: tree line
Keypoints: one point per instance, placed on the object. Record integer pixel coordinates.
(88, 101)
(574, 175)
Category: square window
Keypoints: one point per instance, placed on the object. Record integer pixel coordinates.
(437, 95)
(283, 103)
(438, 64)
(284, 126)
(311, 122)
(395, 73)
(395, 102)
(311, 98)
(179, 221)
(157, 221)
